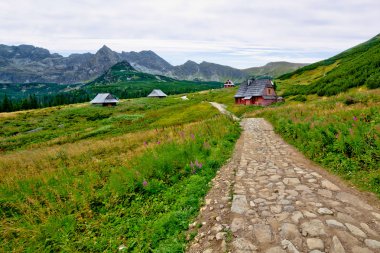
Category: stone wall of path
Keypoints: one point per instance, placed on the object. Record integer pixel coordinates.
(281, 203)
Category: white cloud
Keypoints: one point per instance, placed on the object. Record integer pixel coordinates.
(228, 32)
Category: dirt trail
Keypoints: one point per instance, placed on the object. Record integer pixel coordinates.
(222, 109)
(270, 198)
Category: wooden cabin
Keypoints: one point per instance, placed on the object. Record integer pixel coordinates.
(256, 92)
(104, 99)
(157, 94)
(229, 84)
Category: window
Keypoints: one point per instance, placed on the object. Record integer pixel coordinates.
(269, 91)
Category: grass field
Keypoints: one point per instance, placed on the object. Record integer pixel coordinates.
(83, 178)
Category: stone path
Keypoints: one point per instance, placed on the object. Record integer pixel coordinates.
(271, 199)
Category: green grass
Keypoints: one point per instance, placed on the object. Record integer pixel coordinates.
(81, 187)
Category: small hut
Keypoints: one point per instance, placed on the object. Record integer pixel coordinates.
(157, 94)
(104, 99)
(229, 84)
(256, 92)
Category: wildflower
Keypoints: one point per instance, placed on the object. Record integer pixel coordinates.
(200, 165)
(192, 136)
(354, 118)
(351, 131)
(145, 143)
(158, 142)
(145, 183)
(206, 145)
(191, 164)
(194, 171)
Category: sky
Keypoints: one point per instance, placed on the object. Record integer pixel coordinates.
(238, 33)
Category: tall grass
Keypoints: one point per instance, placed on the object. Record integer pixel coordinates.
(138, 188)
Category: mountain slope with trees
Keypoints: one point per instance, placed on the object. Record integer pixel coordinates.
(358, 66)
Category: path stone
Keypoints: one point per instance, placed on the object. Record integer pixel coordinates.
(243, 244)
(239, 204)
(335, 224)
(237, 224)
(330, 186)
(355, 230)
(337, 246)
(263, 233)
(315, 243)
(372, 243)
(325, 211)
(313, 228)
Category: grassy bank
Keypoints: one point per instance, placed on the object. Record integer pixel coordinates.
(136, 182)
(342, 133)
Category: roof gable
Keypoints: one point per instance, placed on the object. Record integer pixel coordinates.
(103, 98)
(253, 88)
(157, 93)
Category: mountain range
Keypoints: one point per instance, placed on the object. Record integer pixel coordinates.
(27, 64)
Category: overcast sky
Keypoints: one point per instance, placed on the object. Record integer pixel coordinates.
(239, 33)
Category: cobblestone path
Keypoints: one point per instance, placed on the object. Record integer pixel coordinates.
(271, 199)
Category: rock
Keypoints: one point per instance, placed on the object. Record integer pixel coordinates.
(313, 228)
(345, 217)
(220, 236)
(316, 251)
(325, 193)
(252, 204)
(243, 245)
(217, 228)
(325, 211)
(263, 233)
(297, 215)
(309, 214)
(372, 243)
(337, 246)
(275, 250)
(218, 218)
(237, 224)
(357, 249)
(377, 215)
(291, 181)
(289, 246)
(335, 224)
(368, 229)
(239, 204)
(122, 247)
(349, 198)
(355, 230)
(208, 251)
(276, 209)
(330, 186)
(210, 237)
(289, 231)
(208, 201)
(315, 243)
(347, 238)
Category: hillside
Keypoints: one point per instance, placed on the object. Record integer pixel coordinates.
(355, 67)
(274, 69)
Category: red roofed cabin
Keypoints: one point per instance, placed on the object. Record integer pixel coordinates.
(256, 92)
(229, 84)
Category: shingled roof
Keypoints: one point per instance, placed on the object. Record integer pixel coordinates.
(157, 93)
(104, 98)
(253, 88)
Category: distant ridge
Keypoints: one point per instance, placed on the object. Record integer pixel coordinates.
(28, 64)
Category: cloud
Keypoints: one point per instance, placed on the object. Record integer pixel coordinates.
(241, 33)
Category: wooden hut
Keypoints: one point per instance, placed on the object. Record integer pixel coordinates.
(256, 92)
(104, 99)
(229, 84)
